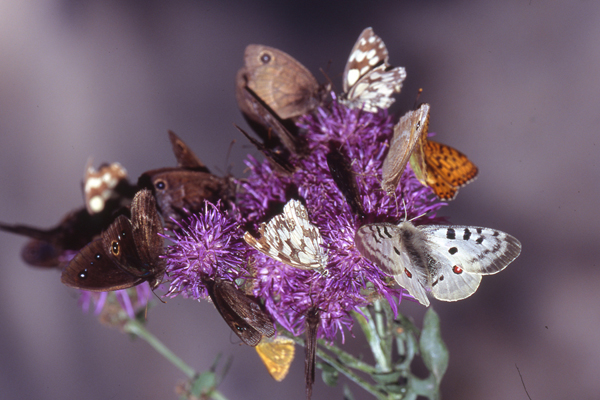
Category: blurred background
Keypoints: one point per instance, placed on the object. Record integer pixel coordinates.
(514, 85)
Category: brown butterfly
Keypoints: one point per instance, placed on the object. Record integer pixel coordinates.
(311, 328)
(47, 246)
(126, 255)
(281, 82)
(241, 312)
(277, 159)
(277, 355)
(185, 187)
(407, 133)
(184, 155)
(344, 178)
(274, 133)
(441, 167)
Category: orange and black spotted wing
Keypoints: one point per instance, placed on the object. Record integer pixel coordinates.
(447, 169)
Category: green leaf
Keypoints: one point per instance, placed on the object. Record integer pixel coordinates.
(348, 393)
(329, 374)
(433, 350)
(205, 383)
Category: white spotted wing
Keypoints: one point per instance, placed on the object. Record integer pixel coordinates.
(369, 81)
(448, 260)
(407, 133)
(291, 239)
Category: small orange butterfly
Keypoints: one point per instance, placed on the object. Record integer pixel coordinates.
(441, 167)
(277, 355)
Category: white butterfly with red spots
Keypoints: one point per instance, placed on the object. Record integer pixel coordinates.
(369, 80)
(448, 260)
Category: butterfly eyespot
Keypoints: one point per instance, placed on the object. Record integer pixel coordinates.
(457, 270)
(83, 274)
(408, 273)
(160, 185)
(115, 248)
(265, 58)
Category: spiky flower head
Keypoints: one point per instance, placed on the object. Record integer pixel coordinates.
(210, 245)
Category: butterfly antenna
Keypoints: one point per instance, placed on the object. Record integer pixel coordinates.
(228, 166)
(419, 92)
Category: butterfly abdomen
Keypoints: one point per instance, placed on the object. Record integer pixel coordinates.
(414, 244)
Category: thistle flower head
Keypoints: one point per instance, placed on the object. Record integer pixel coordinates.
(206, 246)
(350, 281)
(210, 245)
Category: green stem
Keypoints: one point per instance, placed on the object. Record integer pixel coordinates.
(350, 360)
(351, 375)
(340, 367)
(135, 328)
(370, 330)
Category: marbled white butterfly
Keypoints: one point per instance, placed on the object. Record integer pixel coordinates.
(369, 81)
(291, 239)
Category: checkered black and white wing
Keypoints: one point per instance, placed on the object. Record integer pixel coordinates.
(291, 239)
(369, 81)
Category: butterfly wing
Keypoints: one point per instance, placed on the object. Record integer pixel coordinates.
(344, 178)
(95, 270)
(447, 169)
(398, 251)
(146, 226)
(407, 132)
(107, 184)
(185, 156)
(460, 255)
(267, 125)
(291, 239)
(277, 355)
(241, 312)
(176, 189)
(369, 81)
(284, 84)
(311, 330)
(374, 91)
(368, 52)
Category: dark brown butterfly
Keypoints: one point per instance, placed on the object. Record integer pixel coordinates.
(344, 178)
(77, 229)
(185, 156)
(185, 187)
(278, 160)
(311, 328)
(177, 190)
(241, 312)
(126, 255)
(281, 82)
(266, 124)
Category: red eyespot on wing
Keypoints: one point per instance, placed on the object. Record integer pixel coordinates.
(407, 272)
(457, 270)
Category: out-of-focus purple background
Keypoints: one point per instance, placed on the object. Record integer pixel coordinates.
(514, 85)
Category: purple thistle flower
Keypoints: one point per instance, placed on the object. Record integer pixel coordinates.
(351, 281)
(129, 300)
(207, 246)
(210, 245)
